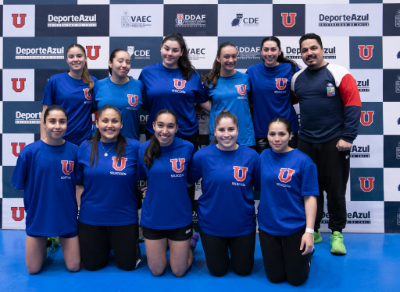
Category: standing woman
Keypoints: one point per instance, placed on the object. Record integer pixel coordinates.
(270, 95)
(167, 210)
(45, 172)
(288, 206)
(73, 91)
(226, 208)
(108, 217)
(174, 84)
(228, 89)
(121, 91)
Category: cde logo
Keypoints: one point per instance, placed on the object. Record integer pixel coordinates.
(88, 95)
(21, 22)
(14, 146)
(363, 183)
(133, 99)
(67, 166)
(288, 19)
(241, 89)
(367, 118)
(174, 163)
(15, 84)
(179, 83)
(115, 163)
(369, 50)
(279, 81)
(14, 211)
(96, 52)
(289, 172)
(237, 170)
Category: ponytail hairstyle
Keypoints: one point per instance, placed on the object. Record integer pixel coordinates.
(120, 143)
(85, 73)
(54, 107)
(225, 114)
(153, 151)
(184, 64)
(286, 122)
(112, 57)
(212, 77)
(281, 57)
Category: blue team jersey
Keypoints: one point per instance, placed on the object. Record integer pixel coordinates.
(167, 89)
(109, 196)
(46, 174)
(167, 204)
(270, 94)
(286, 178)
(74, 96)
(126, 97)
(231, 93)
(226, 207)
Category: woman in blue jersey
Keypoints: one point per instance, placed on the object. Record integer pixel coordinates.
(270, 91)
(288, 206)
(108, 218)
(173, 84)
(226, 208)
(167, 210)
(73, 91)
(45, 172)
(121, 91)
(228, 89)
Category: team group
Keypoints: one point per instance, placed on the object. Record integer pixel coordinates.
(255, 139)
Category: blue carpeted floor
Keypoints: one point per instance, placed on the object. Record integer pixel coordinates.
(372, 263)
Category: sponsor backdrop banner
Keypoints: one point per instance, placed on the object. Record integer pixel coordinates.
(360, 35)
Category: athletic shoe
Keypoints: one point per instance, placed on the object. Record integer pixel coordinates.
(337, 243)
(52, 243)
(317, 237)
(193, 241)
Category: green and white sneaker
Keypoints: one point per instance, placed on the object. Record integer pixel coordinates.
(337, 243)
(317, 237)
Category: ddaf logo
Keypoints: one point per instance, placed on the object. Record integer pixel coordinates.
(14, 146)
(288, 19)
(15, 86)
(96, 52)
(344, 20)
(367, 118)
(190, 20)
(71, 21)
(39, 53)
(21, 22)
(369, 50)
(21, 215)
(363, 86)
(248, 52)
(135, 20)
(360, 151)
(138, 54)
(366, 183)
(27, 118)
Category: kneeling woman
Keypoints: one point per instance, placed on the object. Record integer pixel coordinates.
(226, 208)
(45, 172)
(108, 217)
(167, 209)
(288, 206)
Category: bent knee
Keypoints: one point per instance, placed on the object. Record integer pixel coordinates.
(242, 272)
(218, 272)
(33, 269)
(276, 278)
(297, 281)
(74, 267)
(157, 271)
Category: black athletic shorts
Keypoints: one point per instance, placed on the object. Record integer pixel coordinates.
(177, 234)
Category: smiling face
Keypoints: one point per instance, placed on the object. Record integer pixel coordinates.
(312, 54)
(227, 59)
(226, 133)
(170, 54)
(270, 53)
(120, 65)
(109, 124)
(55, 126)
(76, 59)
(279, 137)
(165, 128)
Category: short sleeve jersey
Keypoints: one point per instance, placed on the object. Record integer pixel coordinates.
(75, 97)
(226, 207)
(126, 97)
(167, 204)
(109, 196)
(46, 174)
(231, 93)
(285, 179)
(167, 89)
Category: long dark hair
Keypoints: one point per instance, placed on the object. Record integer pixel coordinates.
(153, 151)
(212, 77)
(281, 57)
(85, 73)
(225, 114)
(54, 107)
(285, 121)
(112, 57)
(184, 64)
(120, 143)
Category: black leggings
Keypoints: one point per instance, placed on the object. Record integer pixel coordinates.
(217, 255)
(282, 258)
(96, 242)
